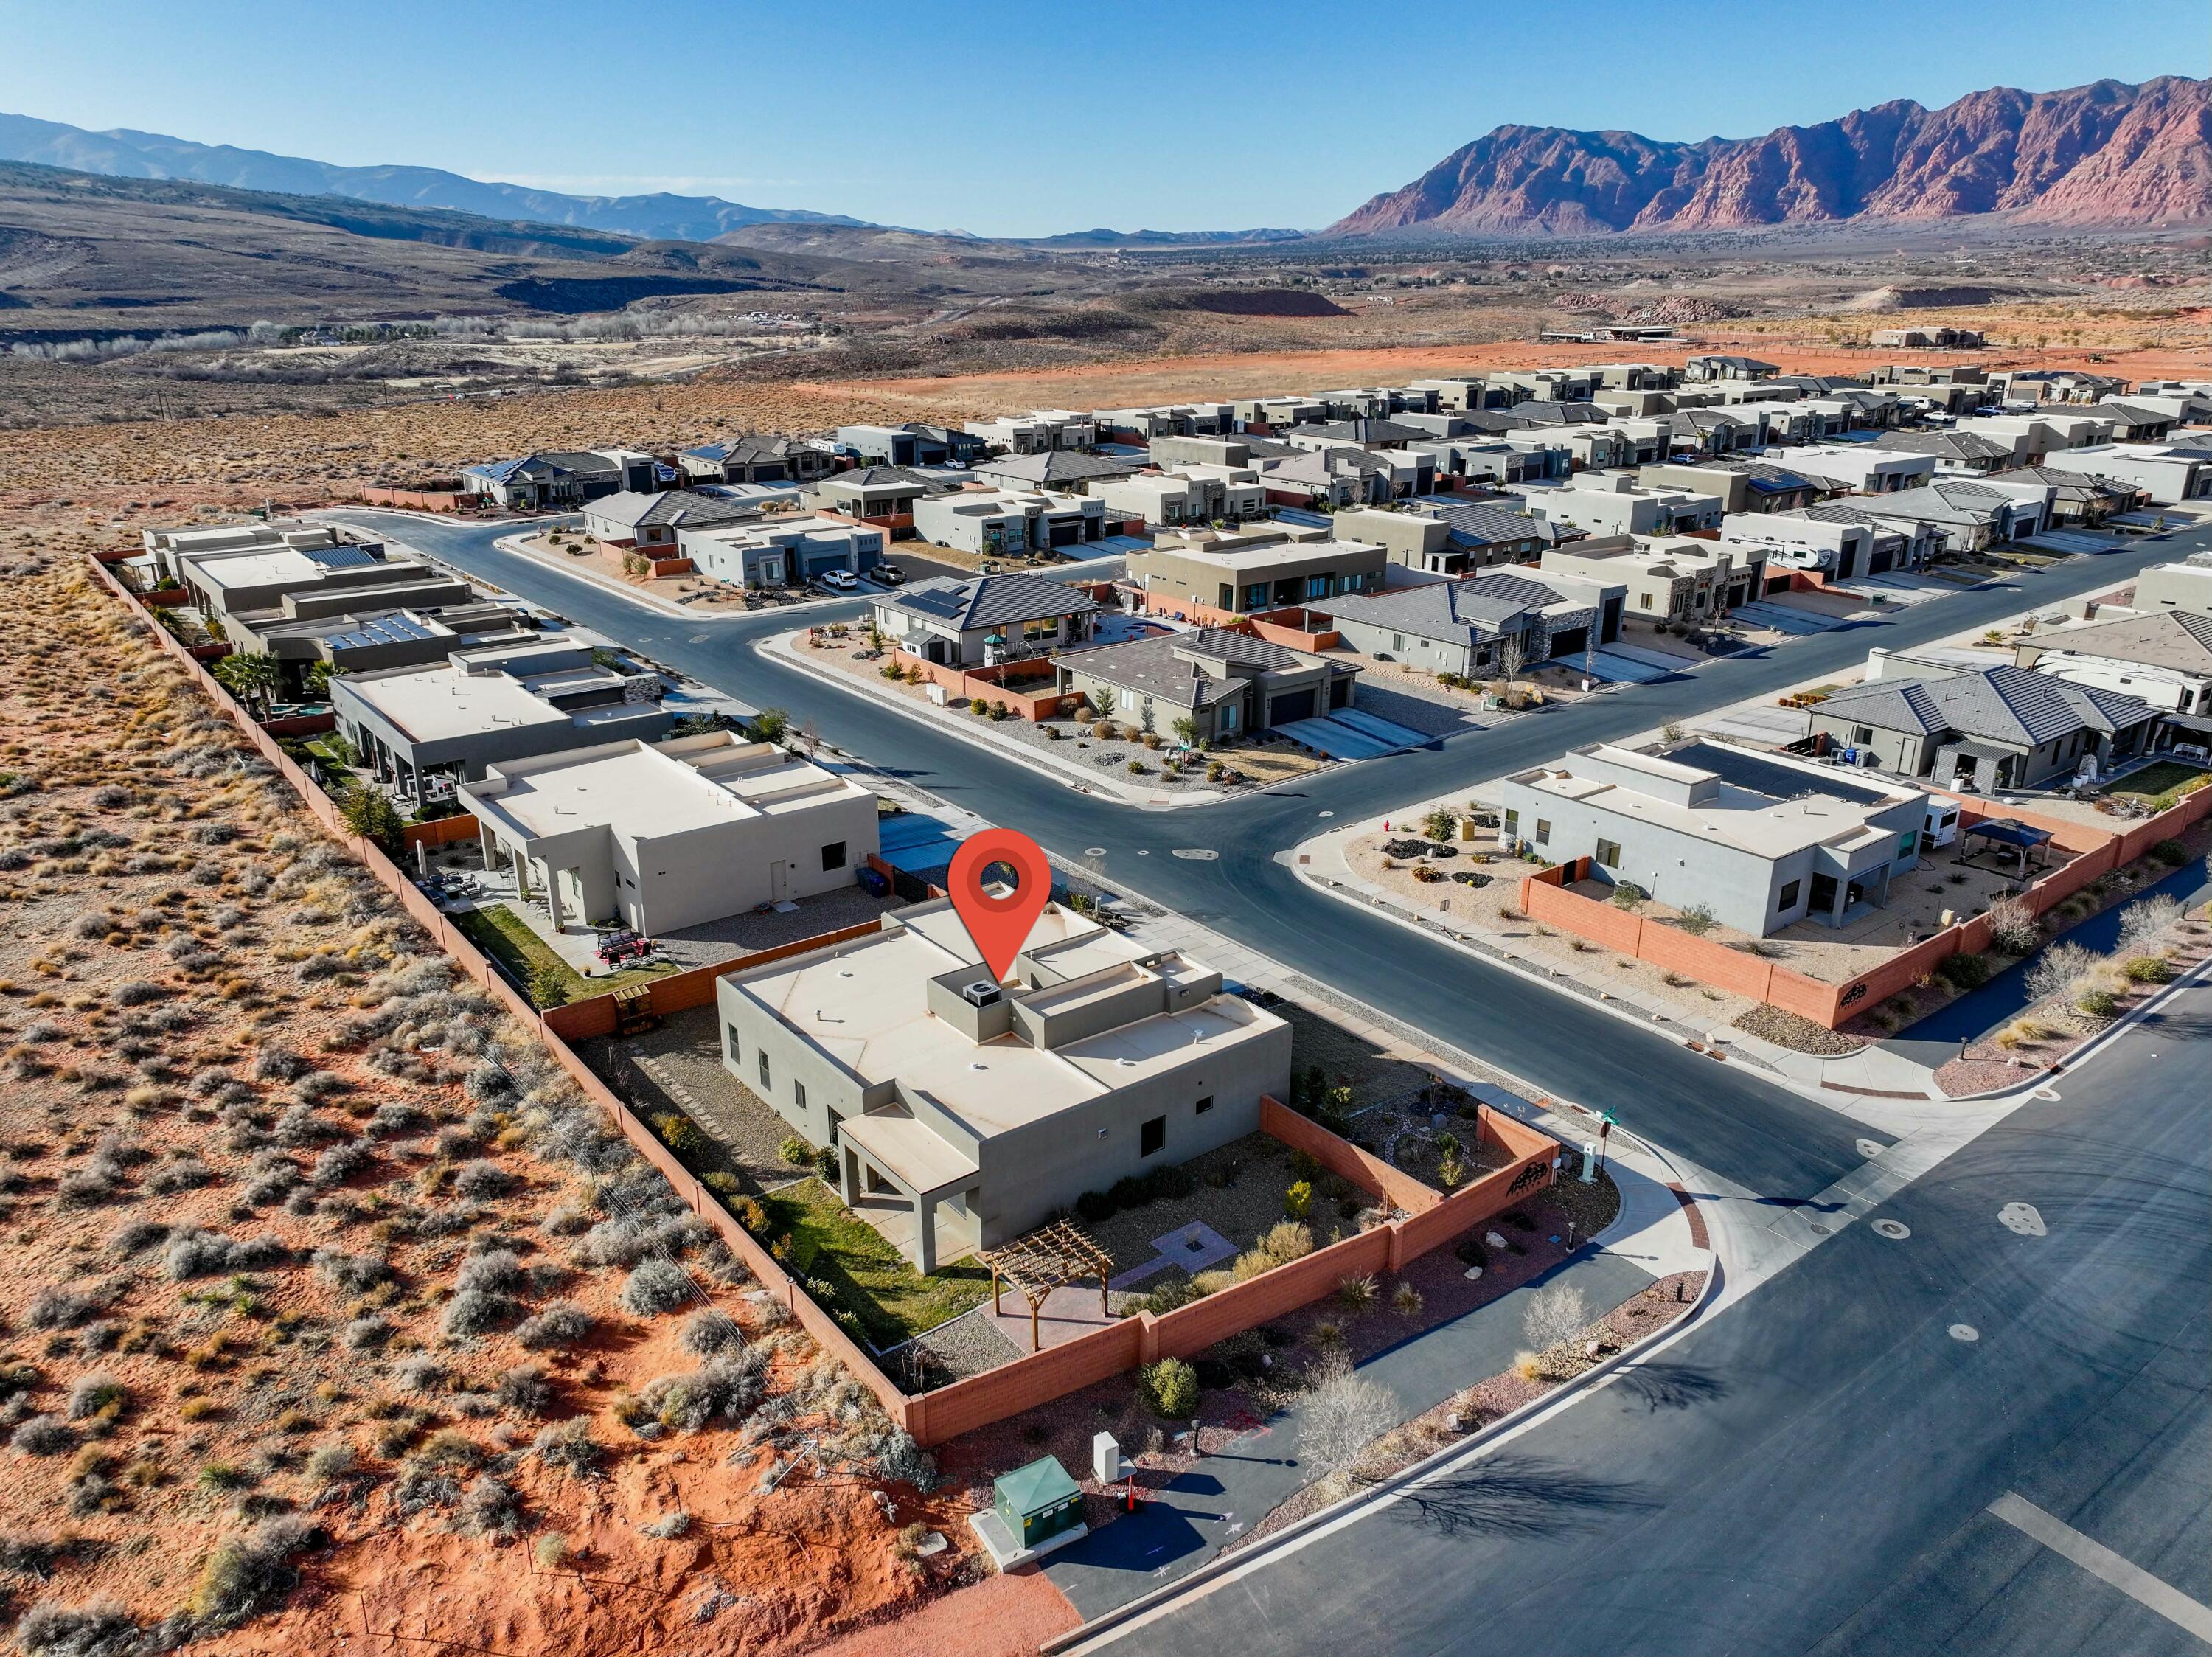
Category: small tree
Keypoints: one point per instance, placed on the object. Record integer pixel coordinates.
(1107, 699)
(2061, 970)
(2145, 919)
(1299, 1199)
(1440, 824)
(1512, 657)
(1554, 1314)
(1341, 1414)
(1696, 920)
(1185, 729)
(770, 725)
(369, 813)
(253, 679)
(1626, 894)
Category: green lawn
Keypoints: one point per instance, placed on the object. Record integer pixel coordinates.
(2161, 784)
(867, 1276)
(502, 934)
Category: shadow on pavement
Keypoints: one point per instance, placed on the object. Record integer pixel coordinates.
(1671, 1385)
(1517, 1496)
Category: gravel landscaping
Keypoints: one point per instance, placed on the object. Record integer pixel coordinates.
(679, 1067)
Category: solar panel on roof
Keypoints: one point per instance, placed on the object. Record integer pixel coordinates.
(345, 557)
(944, 601)
(382, 629)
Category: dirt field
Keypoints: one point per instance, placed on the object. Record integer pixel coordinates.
(330, 1304)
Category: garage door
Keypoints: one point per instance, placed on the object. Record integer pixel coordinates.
(1569, 642)
(815, 563)
(1880, 560)
(1295, 705)
(1065, 534)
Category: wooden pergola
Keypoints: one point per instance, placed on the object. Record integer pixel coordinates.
(1048, 1258)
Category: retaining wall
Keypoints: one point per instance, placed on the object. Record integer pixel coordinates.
(442, 831)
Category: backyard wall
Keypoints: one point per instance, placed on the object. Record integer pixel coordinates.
(439, 831)
(419, 500)
(580, 1020)
(999, 683)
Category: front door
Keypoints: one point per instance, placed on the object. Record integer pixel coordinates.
(779, 882)
(1823, 901)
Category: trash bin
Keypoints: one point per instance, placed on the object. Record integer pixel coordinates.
(873, 884)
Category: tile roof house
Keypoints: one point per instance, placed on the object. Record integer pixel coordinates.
(1226, 683)
(630, 518)
(1468, 626)
(753, 460)
(1059, 468)
(561, 477)
(2001, 727)
(985, 619)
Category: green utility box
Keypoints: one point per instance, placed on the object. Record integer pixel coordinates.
(1037, 1502)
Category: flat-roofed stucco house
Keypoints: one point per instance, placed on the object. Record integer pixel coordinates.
(664, 835)
(963, 1112)
(450, 721)
(1769, 843)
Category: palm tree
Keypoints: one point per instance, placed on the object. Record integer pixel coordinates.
(253, 678)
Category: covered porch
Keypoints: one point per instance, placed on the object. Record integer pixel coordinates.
(915, 1188)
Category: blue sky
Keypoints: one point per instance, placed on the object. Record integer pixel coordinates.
(1024, 119)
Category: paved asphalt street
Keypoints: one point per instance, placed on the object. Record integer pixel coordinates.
(1723, 1119)
(1812, 1470)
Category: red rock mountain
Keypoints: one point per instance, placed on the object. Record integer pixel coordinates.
(2107, 153)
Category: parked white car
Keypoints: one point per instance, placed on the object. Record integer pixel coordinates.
(840, 581)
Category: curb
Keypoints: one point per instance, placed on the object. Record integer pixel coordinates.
(1567, 1391)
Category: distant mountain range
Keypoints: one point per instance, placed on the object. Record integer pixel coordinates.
(2105, 153)
(124, 153)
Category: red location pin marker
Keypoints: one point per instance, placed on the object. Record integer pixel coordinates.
(998, 922)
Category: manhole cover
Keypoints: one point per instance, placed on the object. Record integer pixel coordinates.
(1324, 814)
(1895, 1230)
(1817, 1229)
(2021, 1219)
(1194, 854)
(2047, 1094)
(1094, 852)
(1965, 1333)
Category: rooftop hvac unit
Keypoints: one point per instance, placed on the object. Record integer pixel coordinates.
(982, 993)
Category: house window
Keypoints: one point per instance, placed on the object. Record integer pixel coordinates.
(1644, 600)
(1907, 842)
(1862, 735)
(1152, 1136)
(1789, 899)
(737, 1048)
(832, 855)
(1608, 854)
(1255, 596)
(1397, 641)
(763, 1070)
(798, 1092)
(1512, 825)
(1203, 1105)
(1543, 830)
